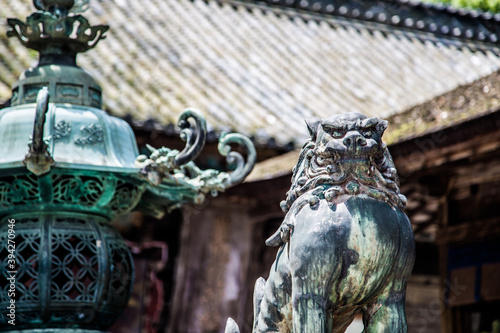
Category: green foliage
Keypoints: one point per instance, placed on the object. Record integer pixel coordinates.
(485, 5)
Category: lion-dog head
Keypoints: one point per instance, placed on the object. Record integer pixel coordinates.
(345, 156)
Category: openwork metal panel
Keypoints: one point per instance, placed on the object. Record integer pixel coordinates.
(73, 271)
(105, 194)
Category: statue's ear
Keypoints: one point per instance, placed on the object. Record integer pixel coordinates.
(312, 127)
(382, 125)
(39, 4)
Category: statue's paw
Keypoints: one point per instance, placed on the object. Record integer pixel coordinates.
(231, 326)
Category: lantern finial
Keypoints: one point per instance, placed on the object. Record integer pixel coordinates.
(57, 32)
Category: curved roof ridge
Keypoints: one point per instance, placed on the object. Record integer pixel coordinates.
(474, 29)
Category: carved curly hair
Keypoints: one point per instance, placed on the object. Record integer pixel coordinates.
(379, 181)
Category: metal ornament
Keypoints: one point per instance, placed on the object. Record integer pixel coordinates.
(53, 22)
(93, 134)
(38, 160)
(345, 246)
(68, 174)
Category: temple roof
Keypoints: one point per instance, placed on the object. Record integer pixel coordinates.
(448, 111)
(261, 67)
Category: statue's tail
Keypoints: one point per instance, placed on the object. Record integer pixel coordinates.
(231, 326)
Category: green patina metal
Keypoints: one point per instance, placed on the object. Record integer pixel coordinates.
(345, 246)
(74, 270)
(67, 169)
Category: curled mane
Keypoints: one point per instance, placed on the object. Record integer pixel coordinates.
(378, 181)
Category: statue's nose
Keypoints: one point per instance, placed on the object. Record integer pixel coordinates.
(354, 140)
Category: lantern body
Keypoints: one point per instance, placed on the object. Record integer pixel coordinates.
(73, 271)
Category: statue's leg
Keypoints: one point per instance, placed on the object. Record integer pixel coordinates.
(313, 271)
(272, 297)
(387, 313)
(309, 312)
(316, 260)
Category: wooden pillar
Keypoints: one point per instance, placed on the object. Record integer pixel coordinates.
(210, 281)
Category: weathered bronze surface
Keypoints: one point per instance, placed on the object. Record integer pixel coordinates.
(66, 175)
(346, 247)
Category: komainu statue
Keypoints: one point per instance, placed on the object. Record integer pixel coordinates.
(345, 245)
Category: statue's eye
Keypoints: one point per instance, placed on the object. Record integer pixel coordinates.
(368, 134)
(337, 134)
(334, 132)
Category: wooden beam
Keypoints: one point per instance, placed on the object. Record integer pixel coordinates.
(471, 138)
(468, 232)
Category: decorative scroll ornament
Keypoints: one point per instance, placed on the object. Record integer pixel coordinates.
(170, 164)
(346, 247)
